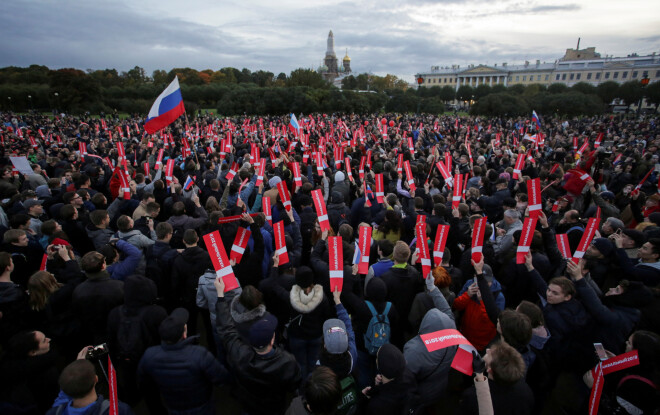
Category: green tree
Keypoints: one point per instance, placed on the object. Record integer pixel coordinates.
(447, 93)
(652, 94)
(433, 105)
(607, 91)
(306, 77)
(631, 92)
(500, 104)
(557, 88)
(464, 93)
(481, 91)
(159, 76)
(135, 76)
(349, 82)
(516, 89)
(584, 88)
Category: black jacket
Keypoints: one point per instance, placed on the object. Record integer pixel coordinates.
(188, 266)
(403, 284)
(92, 301)
(262, 381)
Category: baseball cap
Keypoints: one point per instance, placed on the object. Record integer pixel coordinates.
(261, 332)
(171, 329)
(335, 338)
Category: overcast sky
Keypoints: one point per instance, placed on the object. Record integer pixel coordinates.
(385, 36)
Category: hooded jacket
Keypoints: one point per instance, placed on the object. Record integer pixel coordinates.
(309, 311)
(244, 318)
(187, 267)
(338, 212)
(139, 297)
(98, 236)
(431, 370)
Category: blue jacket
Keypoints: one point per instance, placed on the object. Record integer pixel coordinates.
(185, 373)
(91, 409)
(122, 269)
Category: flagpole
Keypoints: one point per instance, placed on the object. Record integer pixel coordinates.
(185, 113)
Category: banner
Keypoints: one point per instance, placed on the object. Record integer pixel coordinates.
(534, 197)
(285, 197)
(159, 160)
(265, 204)
(239, 245)
(440, 243)
(336, 262)
(445, 174)
(232, 172)
(478, 238)
(380, 188)
(364, 244)
(562, 244)
(220, 261)
(409, 176)
(112, 389)
(442, 339)
(297, 178)
(321, 210)
(280, 243)
(596, 389)
(525, 239)
(520, 162)
(456, 196)
(620, 362)
(399, 163)
(260, 173)
(423, 248)
(363, 160)
(347, 166)
(234, 218)
(587, 236)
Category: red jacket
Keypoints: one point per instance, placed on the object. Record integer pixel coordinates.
(475, 324)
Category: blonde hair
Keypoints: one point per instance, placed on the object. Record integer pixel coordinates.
(41, 286)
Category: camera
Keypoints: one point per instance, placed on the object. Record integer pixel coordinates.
(96, 352)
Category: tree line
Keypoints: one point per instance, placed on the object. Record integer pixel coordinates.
(231, 91)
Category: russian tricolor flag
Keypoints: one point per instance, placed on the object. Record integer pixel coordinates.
(536, 119)
(166, 109)
(188, 184)
(294, 123)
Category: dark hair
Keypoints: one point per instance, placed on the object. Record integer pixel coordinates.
(5, 261)
(386, 247)
(178, 209)
(566, 285)
(18, 220)
(147, 196)
(67, 212)
(392, 223)
(251, 297)
(190, 237)
(507, 365)
(647, 345)
(78, 378)
(322, 391)
(516, 328)
(532, 311)
(98, 216)
(655, 242)
(21, 344)
(152, 208)
(124, 223)
(92, 262)
(163, 229)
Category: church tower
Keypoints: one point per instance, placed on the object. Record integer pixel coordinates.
(347, 63)
(330, 57)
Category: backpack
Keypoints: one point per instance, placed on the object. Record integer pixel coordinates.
(378, 331)
(349, 396)
(132, 337)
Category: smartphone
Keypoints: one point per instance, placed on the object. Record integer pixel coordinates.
(600, 351)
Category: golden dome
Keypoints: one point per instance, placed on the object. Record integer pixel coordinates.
(346, 58)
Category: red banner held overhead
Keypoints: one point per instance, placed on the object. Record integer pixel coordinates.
(440, 243)
(456, 196)
(220, 261)
(112, 389)
(285, 197)
(232, 171)
(520, 162)
(409, 176)
(380, 188)
(260, 173)
(534, 197)
(297, 177)
(587, 236)
(280, 243)
(265, 204)
(478, 238)
(562, 244)
(525, 239)
(336, 263)
(239, 245)
(423, 248)
(321, 210)
(364, 244)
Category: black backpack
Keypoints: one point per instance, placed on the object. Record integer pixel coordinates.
(133, 336)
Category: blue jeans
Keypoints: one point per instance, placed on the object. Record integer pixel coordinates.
(306, 353)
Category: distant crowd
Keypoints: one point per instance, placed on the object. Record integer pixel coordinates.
(105, 252)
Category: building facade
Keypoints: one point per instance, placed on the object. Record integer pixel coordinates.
(577, 65)
(330, 69)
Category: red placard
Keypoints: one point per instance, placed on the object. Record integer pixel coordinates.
(364, 244)
(232, 171)
(260, 174)
(409, 176)
(620, 362)
(280, 243)
(159, 160)
(297, 178)
(265, 204)
(440, 243)
(285, 197)
(336, 262)
(534, 196)
(478, 238)
(520, 161)
(525, 239)
(596, 389)
(599, 138)
(448, 161)
(380, 188)
(169, 171)
(554, 168)
(321, 210)
(347, 166)
(456, 196)
(587, 236)
(445, 174)
(220, 261)
(562, 244)
(423, 248)
(234, 218)
(442, 339)
(112, 389)
(44, 260)
(463, 359)
(319, 163)
(146, 168)
(369, 158)
(240, 242)
(363, 160)
(399, 163)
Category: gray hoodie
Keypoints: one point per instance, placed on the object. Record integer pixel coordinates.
(431, 369)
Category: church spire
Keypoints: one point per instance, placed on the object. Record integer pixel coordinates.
(331, 45)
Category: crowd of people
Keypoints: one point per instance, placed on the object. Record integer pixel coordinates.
(103, 254)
